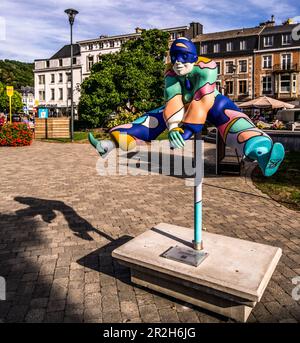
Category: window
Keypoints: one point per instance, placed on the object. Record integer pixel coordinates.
(242, 87)
(41, 79)
(285, 83)
(294, 85)
(243, 45)
(204, 49)
(60, 77)
(68, 76)
(229, 87)
(229, 67)
(52, 94)
(52, 78)
(180, 34)
(286, 60)
(60, 91)
(218, 86)
(243, 66)
(267, 62)
(218, 67)
(268, 41)
(60, 62)
(101, 45)
(69, 93)
(229, 46)
(286, 39)
(99, 58)
(111, 44)
(267, 84)
(90, 62)
(42, 95)
(74, 60)
(216, 48)
(173, 35)
(47, 64)
(90, 46)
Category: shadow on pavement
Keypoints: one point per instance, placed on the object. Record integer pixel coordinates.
(46, 208)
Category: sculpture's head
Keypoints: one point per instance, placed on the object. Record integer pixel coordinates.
(183, 56)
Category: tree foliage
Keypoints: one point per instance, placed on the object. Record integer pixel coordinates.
(16, 100)
(130, 80)
(16, 73)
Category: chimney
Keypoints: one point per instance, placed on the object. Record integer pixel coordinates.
(194, 30)
(269, 23)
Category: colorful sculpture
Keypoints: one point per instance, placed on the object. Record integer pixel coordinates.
(192, 98)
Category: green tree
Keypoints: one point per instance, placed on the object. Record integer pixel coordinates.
(16, 100)
(130, 80)
(16, 73)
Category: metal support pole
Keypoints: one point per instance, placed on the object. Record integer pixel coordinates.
(10, 118)
(72, 106)
(198, 164)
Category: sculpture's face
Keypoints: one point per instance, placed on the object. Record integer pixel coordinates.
(182, 69)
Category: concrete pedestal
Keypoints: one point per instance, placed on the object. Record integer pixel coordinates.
(230, 281)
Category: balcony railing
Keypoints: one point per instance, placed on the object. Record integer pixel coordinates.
(283, 68)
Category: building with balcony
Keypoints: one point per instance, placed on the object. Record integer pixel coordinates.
(277, 63)
(262, 60)
(52, 77)
(52, 81)
(28, 101)
(91, 50)
(233, 51)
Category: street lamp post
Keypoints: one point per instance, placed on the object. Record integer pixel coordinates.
(71, 14)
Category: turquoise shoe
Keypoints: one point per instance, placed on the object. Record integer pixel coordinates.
(268, 155)
(96, 144)
(275, 159)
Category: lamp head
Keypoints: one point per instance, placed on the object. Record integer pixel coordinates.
(71, 14)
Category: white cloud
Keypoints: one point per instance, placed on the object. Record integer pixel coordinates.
(37, 29)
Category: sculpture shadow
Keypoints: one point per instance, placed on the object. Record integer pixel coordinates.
(19, 234)
(46, 208)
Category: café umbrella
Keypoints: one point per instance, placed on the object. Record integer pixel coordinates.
(266, 102)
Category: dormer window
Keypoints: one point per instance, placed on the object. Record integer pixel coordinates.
(243, 45)
(286, 39)
(90, 46)
(229, 46)
(216, 48)
(268, 41)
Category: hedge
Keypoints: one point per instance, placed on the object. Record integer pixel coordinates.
(15, 134)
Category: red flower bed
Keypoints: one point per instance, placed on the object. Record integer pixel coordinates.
(15, 134)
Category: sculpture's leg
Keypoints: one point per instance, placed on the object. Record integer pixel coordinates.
(240, 133)
(127, 136)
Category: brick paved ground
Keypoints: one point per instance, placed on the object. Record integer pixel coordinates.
(59, 222)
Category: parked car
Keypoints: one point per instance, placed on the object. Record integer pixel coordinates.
(16, 118)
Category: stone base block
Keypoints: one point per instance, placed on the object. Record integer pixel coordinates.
(230, 281)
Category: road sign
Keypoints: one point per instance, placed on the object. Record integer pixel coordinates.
(43, 112)
(10, 93)
(9, 90)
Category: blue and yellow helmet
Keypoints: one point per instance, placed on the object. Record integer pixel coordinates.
(183, 50)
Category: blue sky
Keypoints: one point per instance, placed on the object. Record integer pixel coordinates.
(37, 29)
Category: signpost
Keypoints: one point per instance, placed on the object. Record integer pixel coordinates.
(43, 113)
(10, 93)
